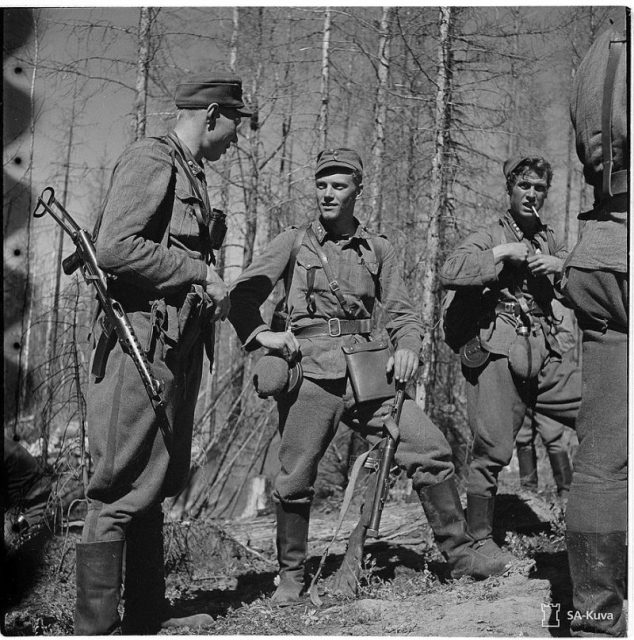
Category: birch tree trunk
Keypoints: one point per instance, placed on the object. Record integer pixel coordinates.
(325, 81)
(429, 276)
(380, 113)
(142, 68)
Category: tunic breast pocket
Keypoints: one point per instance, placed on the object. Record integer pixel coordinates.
(368, 277)
(187, 209)
(310, 275)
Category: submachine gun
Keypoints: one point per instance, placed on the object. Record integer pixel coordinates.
(383, 464)
(85, 258)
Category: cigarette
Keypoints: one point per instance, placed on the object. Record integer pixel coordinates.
(536, 214)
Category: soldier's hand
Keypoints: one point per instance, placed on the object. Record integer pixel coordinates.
(282, 342)
(404, 363)
(544, 265)
(514, 253)
(218, 292)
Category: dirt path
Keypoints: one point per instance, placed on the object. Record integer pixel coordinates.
(227, 569)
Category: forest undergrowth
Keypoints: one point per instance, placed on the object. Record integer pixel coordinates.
(227, 569)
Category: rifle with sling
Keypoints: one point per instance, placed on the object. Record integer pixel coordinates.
(85, 258)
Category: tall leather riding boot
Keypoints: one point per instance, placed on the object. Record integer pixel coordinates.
(597, 568)
(98, 576)
(562, 471)
(441, 503)
(480, 526)
(146, 610)
(144, 581)
(292, 545)
(527, 459)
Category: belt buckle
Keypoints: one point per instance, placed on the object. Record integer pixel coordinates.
(337, 324)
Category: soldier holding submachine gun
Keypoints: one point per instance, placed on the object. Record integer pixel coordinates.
(152, 266)
(335, 270)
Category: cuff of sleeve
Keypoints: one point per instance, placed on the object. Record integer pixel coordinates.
(410, 342)
(489, 271)
(249, 343)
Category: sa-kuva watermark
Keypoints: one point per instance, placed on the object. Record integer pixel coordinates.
(551, 619)
(550, 615)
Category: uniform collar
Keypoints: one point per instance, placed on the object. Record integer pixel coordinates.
(508, 222)
(360, 234)
(196, 167)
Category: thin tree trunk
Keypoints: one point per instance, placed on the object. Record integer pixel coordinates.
(325, 81)
(53, 322)
(512, 142)
(229, 265)
(142, 69)
(348, 113)
(429, 276)
(380, 114)
(81, 402)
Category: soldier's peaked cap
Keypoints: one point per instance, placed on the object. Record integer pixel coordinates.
(342, 157)
(198, 91)
(514, 161)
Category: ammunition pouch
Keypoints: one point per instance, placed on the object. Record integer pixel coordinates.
(473, 354)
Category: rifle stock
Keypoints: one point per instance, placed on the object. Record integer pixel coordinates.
(85, 258)
(382, 485)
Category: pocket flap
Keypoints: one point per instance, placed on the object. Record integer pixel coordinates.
(377, 345)
(186, 196)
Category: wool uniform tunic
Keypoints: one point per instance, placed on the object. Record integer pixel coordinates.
(366, 267)
(149, 241)
(497, 400)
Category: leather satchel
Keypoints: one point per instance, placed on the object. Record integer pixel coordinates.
(367, 363)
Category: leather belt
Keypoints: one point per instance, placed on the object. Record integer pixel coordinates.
(335, 327)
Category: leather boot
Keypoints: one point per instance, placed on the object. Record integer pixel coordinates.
(597, 568)
(144, 580)
(562, 471)
(480, 526)
(442, 507)
(146, 610)
(98, 577)
(527, 459)
(292, 544)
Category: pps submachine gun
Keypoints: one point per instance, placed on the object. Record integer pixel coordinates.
(384, 463)
(85, 259)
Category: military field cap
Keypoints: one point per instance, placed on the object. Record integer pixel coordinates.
(273, 376)
(198, 91)
(341, 157)
(514, 161)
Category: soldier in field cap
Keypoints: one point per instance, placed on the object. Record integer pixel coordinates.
(322, 319)
(157, 235)
(502, 323)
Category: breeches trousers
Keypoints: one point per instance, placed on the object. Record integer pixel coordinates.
(309, 420)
